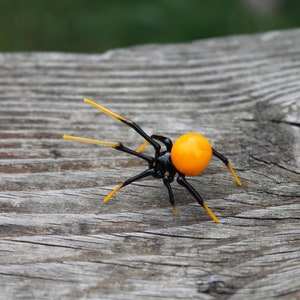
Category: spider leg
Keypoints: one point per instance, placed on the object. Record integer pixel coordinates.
(166, 141)
(117, 146)
(166, 182)
(182, 181)
(226, 162)
(129, 123)
(142, 147)
(146, 173)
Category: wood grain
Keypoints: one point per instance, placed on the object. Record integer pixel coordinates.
(60, 241)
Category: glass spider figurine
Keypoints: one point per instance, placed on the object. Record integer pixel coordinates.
(189, 155)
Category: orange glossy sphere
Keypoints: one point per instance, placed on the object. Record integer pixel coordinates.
(191, 153)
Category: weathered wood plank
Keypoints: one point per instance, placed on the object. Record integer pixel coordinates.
(59, 240)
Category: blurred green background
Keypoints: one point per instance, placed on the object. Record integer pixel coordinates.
(98, 25)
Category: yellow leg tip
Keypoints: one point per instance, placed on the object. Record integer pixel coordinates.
(211, 214)
(96, 142)
(175, 210)
(106, 198)
(142, 147)
(237, 180)
(113, 192)
(105, 110)
(86, 100)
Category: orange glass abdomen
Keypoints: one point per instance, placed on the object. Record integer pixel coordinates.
(191, 153)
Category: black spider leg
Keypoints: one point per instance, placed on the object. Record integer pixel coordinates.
(148, 158)
(226, 162)
(142, 133)
(129, 123)
(145, 173)
(182, 181)
(166, 181)
(150, 171)
(165, 140)
(117, 146)
(220, 156)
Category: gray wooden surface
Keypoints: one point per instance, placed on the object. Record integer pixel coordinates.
(60, 241)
